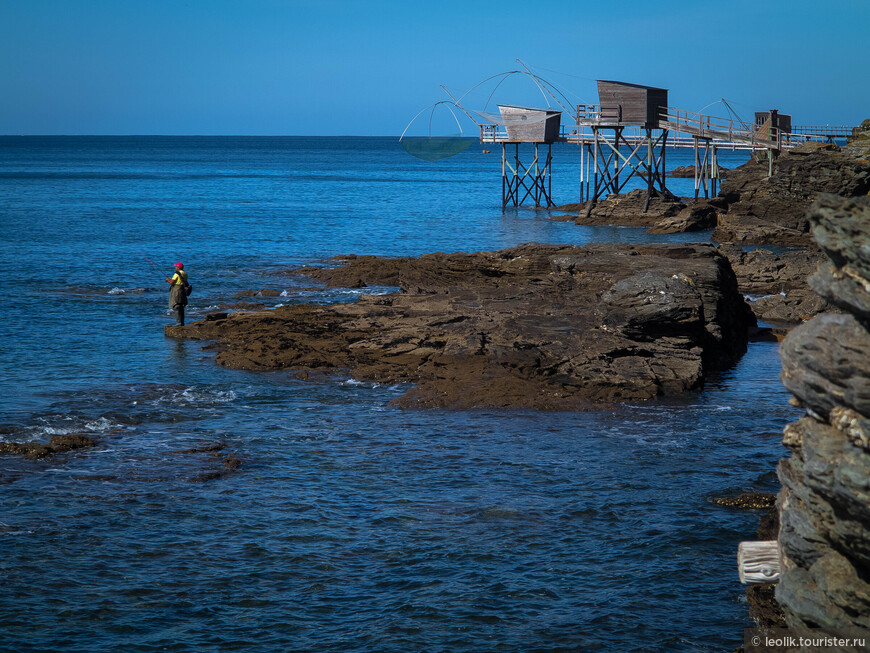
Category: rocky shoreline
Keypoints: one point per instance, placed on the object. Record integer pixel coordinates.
(752, 208)
(756, 210)
(536, 326)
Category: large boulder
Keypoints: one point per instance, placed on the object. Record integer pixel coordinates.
(825, 497)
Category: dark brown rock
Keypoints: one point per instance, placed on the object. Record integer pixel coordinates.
(232, 461)
(205, 448)
(748, 501)
(698, 216)
(789, 308)
(537, 326)
(777, 283)
(825, 498)
(842, 228)
(57, 444)
(243, 306)
(624, 209)
(772, 210)
(376, 271)
(688, 172)
(265, 292)
(764, 272)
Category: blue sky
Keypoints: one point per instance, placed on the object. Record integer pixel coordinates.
(334, 67)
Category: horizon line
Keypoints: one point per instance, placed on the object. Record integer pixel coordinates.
(211, 135)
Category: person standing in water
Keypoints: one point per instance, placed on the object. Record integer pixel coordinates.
(178, 293)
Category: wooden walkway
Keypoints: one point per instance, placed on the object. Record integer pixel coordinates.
(684, 127)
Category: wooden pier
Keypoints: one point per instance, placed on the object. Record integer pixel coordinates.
(627, 135)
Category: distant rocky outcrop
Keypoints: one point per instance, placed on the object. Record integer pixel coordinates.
(825, 496)
(688, 172)
(773, 210)
(663, 215)
(536, 326)
(752, 208)
(696, 216)
(625, 209)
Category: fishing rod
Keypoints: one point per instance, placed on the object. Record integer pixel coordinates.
(153, 264)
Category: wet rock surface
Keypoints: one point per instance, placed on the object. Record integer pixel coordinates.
(825, 496)
(218, 464)
(536, 326)
(57, 444)
(748, 501)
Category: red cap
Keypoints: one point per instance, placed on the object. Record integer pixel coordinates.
(179, 265)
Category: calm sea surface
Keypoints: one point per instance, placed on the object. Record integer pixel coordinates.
(350, 525)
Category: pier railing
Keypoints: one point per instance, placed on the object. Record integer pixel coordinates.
(685, 127)
(724, 129)
(825, 132)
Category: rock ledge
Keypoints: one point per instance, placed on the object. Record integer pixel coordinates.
(536, 326)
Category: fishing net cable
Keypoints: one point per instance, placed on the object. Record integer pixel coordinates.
(435, 148)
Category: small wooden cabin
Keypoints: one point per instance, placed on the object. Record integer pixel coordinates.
(535, 125)
(777, 120)
(631, 104)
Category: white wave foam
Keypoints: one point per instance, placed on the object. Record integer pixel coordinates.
(755, 298)
(193, 395)
(68, 425)
(123, 291)
(101, 424)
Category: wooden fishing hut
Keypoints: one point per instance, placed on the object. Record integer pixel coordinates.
(772, 123)
(623, 105)
(533, 126)
(631, 104)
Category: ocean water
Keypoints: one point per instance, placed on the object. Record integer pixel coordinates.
(350, 525)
